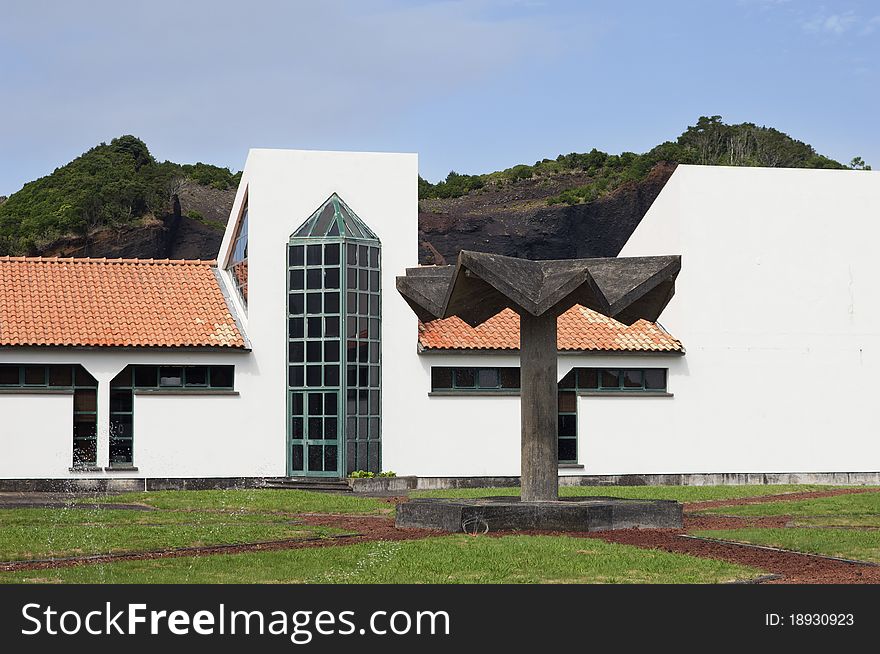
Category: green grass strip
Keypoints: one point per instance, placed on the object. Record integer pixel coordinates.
(680, 493)
(288, 501)
(855, 504)
(445, 559)
(27, 534)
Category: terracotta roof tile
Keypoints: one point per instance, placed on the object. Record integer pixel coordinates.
(578, 329)
(113, 302)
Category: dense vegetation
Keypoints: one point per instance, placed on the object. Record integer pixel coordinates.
(110, 185)
(121, 184)
(709, 142)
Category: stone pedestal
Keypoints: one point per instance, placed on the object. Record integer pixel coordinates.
(564, 514)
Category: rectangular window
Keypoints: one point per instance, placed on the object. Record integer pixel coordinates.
(587, 378)
(473, 379)
(465, 378)
(145, 376)
(655, 379)
(195, 376)
(487, 378)
(610, 379)
(35, 375)
(9, 376)
(441, 378)
(60, 376)
(170, 376)
(221, 376)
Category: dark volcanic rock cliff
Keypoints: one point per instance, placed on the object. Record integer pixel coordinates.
(512, 219)
(193, 229)
(515, 220)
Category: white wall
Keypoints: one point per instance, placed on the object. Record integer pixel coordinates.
(171, 432)
(479, 435)
(776, 304)
(36, 436)
(284, 188)
(450, 435)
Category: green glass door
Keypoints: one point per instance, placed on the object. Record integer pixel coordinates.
(314, 439)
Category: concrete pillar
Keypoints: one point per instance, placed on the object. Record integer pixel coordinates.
(103, 418)
(538, 407)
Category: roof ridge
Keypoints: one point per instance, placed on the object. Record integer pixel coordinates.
(41, 259)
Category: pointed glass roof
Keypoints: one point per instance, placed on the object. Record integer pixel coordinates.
(334, 218)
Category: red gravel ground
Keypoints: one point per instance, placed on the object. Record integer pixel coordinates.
(694, 522)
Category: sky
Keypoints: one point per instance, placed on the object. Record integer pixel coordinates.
(472, 86)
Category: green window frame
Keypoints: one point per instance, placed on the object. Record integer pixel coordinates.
(141, 377)
(616, 380)
(566, 426)
(481, 379)
(63, 377)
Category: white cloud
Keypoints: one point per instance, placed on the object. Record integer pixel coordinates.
(832, 24)
(870, 26)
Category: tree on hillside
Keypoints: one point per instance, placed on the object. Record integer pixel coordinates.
(111, 185)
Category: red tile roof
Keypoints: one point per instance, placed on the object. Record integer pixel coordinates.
(113, 302)
(579, 329)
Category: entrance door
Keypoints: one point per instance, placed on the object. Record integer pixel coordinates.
(314, 442)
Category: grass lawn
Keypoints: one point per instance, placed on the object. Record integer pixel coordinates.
(286, 501)
(680, 493)
(846, 543)
(444, 559)
(50, 533)
(830, 509)
(838, 521)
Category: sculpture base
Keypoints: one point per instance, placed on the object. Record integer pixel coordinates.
(565, 514)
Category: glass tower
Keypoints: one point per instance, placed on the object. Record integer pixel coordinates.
(333, 344)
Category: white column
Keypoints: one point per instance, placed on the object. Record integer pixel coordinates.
(103, 457)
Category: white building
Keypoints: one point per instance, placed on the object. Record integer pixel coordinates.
(295, 356)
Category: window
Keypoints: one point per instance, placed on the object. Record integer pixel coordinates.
(238, 260)
(9, 376)
(65, 377)
(169, 376)
(465, 380)
(615, 379)
(334, 344)
(474, 379)
(140, 377)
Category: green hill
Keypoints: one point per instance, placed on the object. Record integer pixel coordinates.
(106, 201)
(112, 185)
(709, 142)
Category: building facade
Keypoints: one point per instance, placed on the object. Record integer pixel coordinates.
(293, 355)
